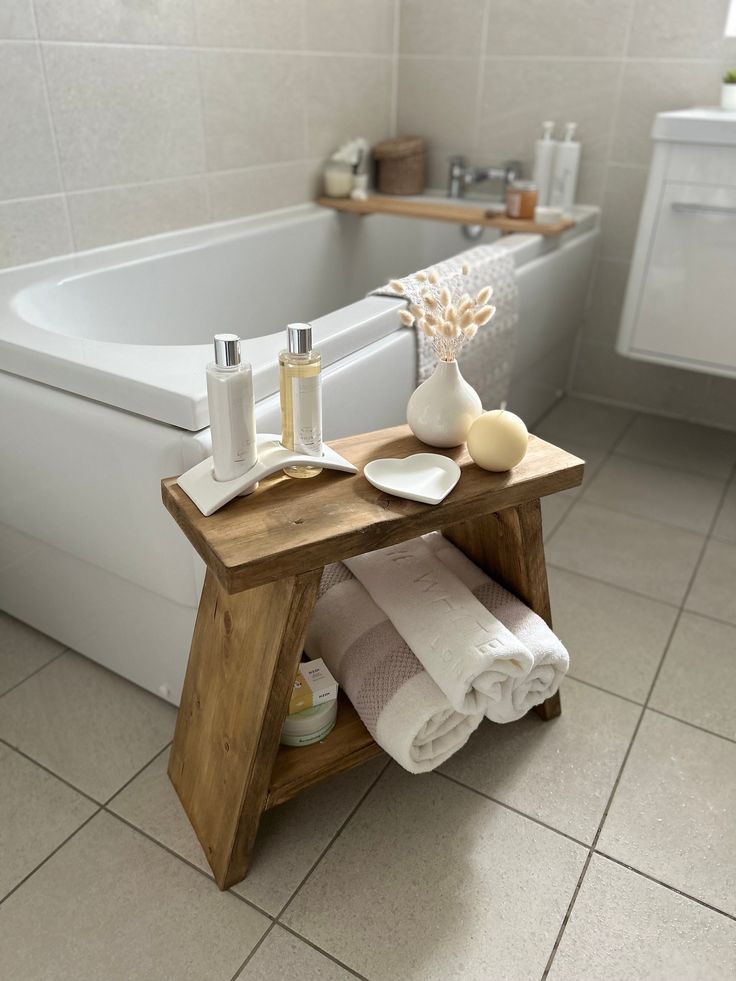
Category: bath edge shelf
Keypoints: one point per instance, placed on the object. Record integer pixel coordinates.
(457, 214)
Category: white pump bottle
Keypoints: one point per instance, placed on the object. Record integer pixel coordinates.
(544, 158)
(565, 173)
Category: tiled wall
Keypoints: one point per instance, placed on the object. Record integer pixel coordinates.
(479, 76)
(122, 119)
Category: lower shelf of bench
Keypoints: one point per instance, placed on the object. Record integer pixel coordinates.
(299, 767)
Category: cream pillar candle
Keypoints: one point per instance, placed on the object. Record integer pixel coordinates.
(498, 440)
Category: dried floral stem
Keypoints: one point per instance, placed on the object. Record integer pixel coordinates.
(449, 318)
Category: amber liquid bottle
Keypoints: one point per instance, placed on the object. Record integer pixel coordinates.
(300, 382)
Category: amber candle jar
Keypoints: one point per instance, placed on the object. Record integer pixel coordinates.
(521, 199)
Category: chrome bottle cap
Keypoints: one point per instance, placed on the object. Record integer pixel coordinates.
(299, 338)
(227, 350)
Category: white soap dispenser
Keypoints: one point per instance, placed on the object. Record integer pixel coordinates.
(232, 410)
(565, 172)
(544, 158)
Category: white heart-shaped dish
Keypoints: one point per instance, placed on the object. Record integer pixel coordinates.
(424, 477)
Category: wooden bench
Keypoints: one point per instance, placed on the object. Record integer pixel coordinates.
(265, 554)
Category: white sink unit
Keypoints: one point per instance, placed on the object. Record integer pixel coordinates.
(679, 308)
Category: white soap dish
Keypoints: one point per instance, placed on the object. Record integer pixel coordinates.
(210, 495)
(424, 477)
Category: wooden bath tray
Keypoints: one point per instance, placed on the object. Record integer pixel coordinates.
(265, 555)
(462, 213)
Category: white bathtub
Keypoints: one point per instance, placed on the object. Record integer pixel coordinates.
(102, 393)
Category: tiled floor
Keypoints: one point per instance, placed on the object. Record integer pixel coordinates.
(598, 846)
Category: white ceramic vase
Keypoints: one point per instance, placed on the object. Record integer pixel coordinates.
(442, 409)
(728, 96)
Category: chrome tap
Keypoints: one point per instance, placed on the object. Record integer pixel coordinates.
(462, 176)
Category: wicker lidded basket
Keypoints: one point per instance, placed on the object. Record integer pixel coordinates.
(400, 165)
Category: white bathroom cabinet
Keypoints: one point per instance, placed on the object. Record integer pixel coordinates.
(679, 307)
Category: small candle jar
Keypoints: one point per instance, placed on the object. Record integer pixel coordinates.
(338, 179)
(521, 199)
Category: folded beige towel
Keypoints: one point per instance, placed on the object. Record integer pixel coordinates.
(402, 708)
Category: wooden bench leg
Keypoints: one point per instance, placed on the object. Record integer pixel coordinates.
(241, 669)
(509, 546)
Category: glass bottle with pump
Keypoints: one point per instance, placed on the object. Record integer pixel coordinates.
(300, 369)
(232, 410)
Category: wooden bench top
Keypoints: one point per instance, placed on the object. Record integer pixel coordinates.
(290, 526)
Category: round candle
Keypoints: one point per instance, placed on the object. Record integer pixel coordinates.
(498, 440)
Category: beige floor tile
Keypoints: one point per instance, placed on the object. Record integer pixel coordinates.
(697, 682)
(615, 638)
(37, 812)
(648, 557)
(672, 814)
(561, 772)
(579, 421)
(681, 444)
(625, 927)
(113, 905)
(725, 526)
(282, 955)
(660, 493)
(554, 509)
(23, 650)
(431, 882)
(290, 838)
(85, 723)
(713, 592)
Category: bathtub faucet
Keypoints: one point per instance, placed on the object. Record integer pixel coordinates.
(462, 176)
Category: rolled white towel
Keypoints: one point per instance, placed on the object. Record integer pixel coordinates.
(402, 708)
(551, 660)
(464, 648)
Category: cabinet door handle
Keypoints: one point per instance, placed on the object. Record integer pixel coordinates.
(708, 209)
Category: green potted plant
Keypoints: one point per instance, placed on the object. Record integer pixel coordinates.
(728, 91)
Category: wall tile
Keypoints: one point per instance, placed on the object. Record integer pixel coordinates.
(438, 27)
(622, 201)
(602, 373)
(591, 181)
(606, 301)
(16, 19)
(27, 161)
(346, 98)
(350, 25)
(33, 230)
(264, 122)
(246, 192)
(437, 100)
(117, 214)
(575, 27)
(268, 24)
(124, 115)
(678, 29)
(159, 22)
(650, 87)
(519, 94)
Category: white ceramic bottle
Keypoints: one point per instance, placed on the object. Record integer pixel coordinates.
(565, 172)
(544, 158)
(232, 410)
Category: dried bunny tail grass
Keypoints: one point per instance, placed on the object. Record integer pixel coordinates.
(427, 329)
(445, 297)
(397, 287)
(406, 318)
(430, 301)
(447, 328)
(465, 269)
(466, 318)
(484, 296)
(433, 277)
(431, 319)
(416, 310)
(450, 313)
(470, 331)
(421, 276)
(484, 315)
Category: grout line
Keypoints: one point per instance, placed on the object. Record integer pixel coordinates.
(394, 109)
(606, 691)
(325, 953)
(35, 672)
(634, 734)
(613, 585)
(50, 855)
(634, 514)
(242, 967)
(332, 841)
(692, 725)
(50, 772)
(665, 885)
(510, 807)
